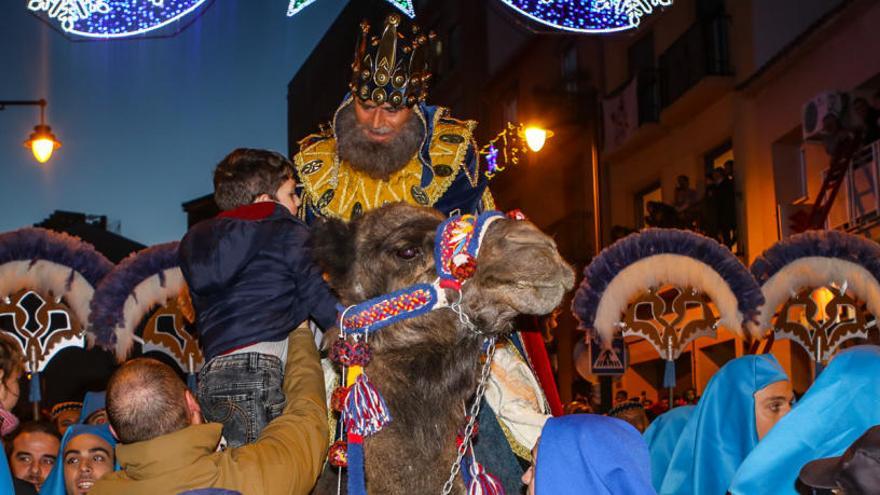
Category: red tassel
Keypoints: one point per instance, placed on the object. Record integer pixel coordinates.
(365, 409)
(483, 483)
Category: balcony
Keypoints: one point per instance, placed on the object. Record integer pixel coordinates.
(629, 112)
(695, 70)
(857, 206)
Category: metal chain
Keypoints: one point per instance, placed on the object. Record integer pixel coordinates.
(472, 420)
(463, 318)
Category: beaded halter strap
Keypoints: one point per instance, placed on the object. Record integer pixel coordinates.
(362, 409)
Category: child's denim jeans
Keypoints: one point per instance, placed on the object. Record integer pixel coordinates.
(242, 391)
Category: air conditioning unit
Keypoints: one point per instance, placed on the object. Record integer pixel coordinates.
(815, 110)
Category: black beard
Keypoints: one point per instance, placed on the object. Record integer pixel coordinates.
(378, 160)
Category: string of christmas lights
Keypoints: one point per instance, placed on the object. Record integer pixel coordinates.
(113, 18)
(404, 6)
(587, 16)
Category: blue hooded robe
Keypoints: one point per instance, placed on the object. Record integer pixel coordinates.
(54, 484)
(721, 430)
(94, 401)
(662, 437)
(587, 453)
(836, 410)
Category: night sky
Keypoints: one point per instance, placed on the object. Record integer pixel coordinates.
(144, 122)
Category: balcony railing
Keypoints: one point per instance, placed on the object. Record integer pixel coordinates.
(648, 94)
(857, 206)
(703, 50)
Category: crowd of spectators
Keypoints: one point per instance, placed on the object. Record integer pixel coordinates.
(713, 215)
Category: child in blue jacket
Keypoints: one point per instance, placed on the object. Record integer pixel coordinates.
(252, 281)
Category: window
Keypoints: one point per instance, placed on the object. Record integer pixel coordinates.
(718, 157)
(648, 195)
(570, 68)
(640, 55)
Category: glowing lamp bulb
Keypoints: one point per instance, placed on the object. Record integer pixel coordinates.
(536, 137)
(42, 143)
(43, 149)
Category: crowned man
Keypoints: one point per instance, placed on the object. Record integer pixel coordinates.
(387, 145)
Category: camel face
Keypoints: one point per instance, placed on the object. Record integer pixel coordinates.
(519, 269)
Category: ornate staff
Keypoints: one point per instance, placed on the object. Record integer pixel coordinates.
(145, 300)
(821, 288)
(47, 281)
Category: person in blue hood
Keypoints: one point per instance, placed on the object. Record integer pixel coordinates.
(253, 281)
(740, 405)
(834, 412)
(87, 452)
(662, 436)
(94, 409)
(587, 453)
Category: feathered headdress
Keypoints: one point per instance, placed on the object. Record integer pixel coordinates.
(655, 257)
(146, 280)
(831, 259)
(47, 281)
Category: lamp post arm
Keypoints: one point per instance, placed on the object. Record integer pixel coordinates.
(29, 103)
(9, 103)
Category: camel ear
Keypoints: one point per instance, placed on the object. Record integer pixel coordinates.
(333, 247)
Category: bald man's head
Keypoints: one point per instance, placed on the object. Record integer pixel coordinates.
(145, 400)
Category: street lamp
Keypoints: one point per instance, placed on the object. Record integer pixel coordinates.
(536, 137)
(41, 142)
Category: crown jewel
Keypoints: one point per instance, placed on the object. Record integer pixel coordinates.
(391, 69)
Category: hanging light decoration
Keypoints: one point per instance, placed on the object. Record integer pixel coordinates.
(587, 16)
(404, 6)
(113, 18)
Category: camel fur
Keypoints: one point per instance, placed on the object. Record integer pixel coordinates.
(427, 367)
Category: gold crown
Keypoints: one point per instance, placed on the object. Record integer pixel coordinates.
(391, 69)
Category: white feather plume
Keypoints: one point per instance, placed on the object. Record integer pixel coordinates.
(656, 271)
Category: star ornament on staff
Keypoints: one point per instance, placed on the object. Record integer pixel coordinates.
(509, 145)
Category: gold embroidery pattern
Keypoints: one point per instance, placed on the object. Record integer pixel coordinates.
(449, 147)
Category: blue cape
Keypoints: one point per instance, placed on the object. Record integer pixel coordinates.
(837, 409)
(662, 436)
(5, 474)
(54, 484)
(586, 453)
(93, 402)
(721, 430)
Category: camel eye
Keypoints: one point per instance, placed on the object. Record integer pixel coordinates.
(408, 253)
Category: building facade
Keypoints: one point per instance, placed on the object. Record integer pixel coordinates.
(709, 83)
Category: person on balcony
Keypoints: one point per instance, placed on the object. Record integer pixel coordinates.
(686, 198)
(834, 134)
(866, 126)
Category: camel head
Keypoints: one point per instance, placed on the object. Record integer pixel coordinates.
(518, 271)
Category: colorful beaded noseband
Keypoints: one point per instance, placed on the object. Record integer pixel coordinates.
(362, 409)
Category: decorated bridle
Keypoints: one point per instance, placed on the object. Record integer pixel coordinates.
(362, 409)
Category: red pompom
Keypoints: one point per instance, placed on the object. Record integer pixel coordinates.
(360, 354)
(338, 454)
(516, 214)
(460, 437)
(463, 266)
(347, 353)
(337, 399)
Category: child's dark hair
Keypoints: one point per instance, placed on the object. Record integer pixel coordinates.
(247, 173)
